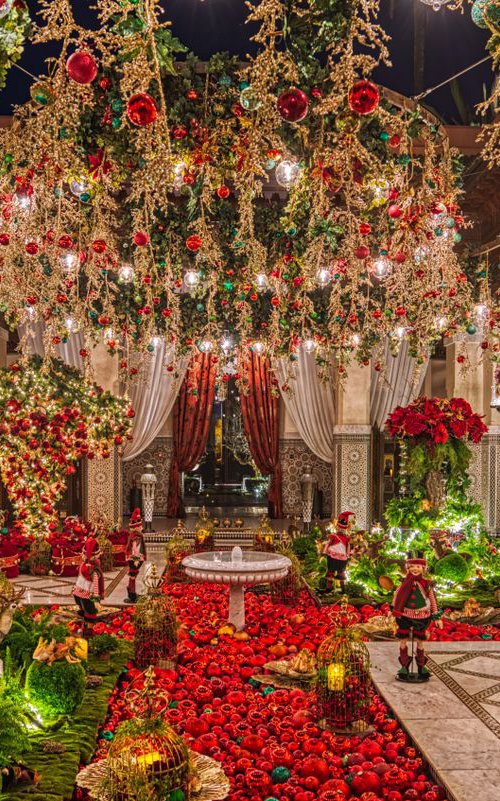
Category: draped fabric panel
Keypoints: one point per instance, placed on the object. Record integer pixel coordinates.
(398, 387)
(260, 412)
(68, 351)
(152, 396)
(310, 403)
(191, 425)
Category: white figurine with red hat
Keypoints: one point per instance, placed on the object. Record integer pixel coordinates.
(414, 607)
(337, 549)
(89, 586)
(135, 553)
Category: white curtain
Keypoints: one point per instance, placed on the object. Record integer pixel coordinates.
(310, 402)
(400, 385)
(32, 335)
(152, 396)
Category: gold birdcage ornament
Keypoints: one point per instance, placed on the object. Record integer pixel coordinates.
(204, 539)
(264, 536)
(343, 685)
(287, 590)
(155, 640)
(147, 760)
(177, 548)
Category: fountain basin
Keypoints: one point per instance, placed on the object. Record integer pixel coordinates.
(237, 569)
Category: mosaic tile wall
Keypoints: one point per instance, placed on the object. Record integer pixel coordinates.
(295, 455)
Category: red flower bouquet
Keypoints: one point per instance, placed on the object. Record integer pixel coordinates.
(435, 420)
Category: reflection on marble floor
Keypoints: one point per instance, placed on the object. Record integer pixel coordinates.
(59, 590)
(455, 718)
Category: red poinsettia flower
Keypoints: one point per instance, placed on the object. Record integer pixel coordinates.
(461, 407)
(458, 427)
(414, 424)
(440, 433)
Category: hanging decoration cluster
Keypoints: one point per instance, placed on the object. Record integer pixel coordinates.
(283, 201)
(50, 417)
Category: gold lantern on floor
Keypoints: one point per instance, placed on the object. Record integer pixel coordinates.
(155, 640)
(147, 760)
(264, 536)
(343, 686)
(177, 548)
(204, 539)
(287, 590)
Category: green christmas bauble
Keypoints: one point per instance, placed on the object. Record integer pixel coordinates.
(280, 774)
(383, 136)
(42, 94)
(485, 13)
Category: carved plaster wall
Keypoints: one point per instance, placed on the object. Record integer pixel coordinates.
(295, 455)
(159, 454)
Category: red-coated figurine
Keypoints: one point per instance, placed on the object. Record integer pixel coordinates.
(135, 554)
(89, 586)
(414, 606)
(338, 550)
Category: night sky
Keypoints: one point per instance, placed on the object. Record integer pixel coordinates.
(453, 42)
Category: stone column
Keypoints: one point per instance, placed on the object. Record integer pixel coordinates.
(352, 462)
(103, 477)
(475, 386)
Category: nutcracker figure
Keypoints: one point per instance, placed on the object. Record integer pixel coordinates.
(414, 606)
(338, 549)
(89, 586)
(135, 554)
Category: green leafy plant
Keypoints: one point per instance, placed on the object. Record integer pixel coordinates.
(14, 30)
(55, 689)
(26, 630)
(452, 567)
(103, 644)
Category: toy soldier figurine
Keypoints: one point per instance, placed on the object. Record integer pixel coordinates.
(89, 587)
(414, 606)
(338, 549)
(135, 554)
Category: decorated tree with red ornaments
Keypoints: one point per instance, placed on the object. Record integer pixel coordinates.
(51, 416)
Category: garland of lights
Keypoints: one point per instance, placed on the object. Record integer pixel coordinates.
(154, 176)
(51, 417)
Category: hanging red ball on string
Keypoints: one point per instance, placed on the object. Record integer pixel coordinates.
(364, 97)
(293, 105)
(141, 110)
(81, 67)
(194, 242)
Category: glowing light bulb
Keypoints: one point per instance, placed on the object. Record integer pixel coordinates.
(480, 310)
(69, 323)
(400, 331)
(191, 278)
(441, 323)
(126, 273)
(78, 186)
(226, 343)
(156, 341)
(355, 340)
(23, 201)
(109, 334)
(206, 345)
(69, 261)
(287, 173)
(258, 348)
(309, 345)
(179, 170)
(323, 277)
(382, 267)
(261, 281)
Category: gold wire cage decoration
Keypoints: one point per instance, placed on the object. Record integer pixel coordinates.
(177, 548)
(264, 536)
(147, 759)
(287, 590)
(343, 684)
(155, 640)
(204, 539)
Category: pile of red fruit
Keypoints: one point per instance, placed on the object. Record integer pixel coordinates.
(268, 741)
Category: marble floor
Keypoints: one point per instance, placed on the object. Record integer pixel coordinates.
(59, 590)
(454, 719)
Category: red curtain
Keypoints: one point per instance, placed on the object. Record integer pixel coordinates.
(260, 411)
(191, 424)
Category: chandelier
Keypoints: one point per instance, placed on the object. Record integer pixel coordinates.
(285, 201)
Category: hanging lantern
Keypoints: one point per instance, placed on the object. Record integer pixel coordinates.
(177, 548)
(343, 689)
(155, 641)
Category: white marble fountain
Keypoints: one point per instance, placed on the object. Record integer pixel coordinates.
(238, 569)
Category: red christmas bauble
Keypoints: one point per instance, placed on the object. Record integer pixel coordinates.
(141, 110)
(81, 67)
(293, 105)
(194, 242)
(364, 97)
